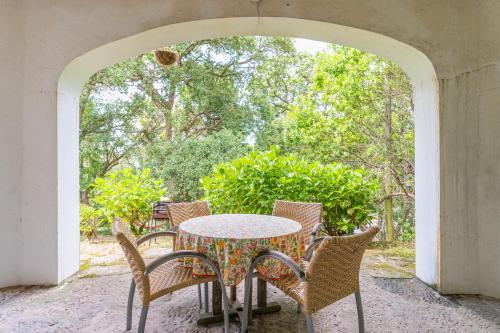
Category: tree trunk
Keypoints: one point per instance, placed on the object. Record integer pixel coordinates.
(388, 204)
(389, 223)
(168, 115)
(169, 134)
(85, 197)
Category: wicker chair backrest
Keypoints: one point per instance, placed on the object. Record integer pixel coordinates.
(306, 213)
(128, 244)
(333, 272)
(181, 211)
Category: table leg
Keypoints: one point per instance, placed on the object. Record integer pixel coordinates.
(216, 298)
(235, 310)
(217, 314)
(205, 286)
(250, 311)
(232, 295)
(261, 293)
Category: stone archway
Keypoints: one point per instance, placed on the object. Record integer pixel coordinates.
(414, 62)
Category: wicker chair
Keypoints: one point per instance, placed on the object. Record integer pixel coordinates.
(332, 274)
(307, 214)
(162, 276)
(179, 212)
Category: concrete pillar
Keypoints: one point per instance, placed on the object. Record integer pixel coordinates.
(488, 186)
(11, 106)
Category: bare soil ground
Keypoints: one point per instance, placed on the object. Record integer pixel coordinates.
(94, 300)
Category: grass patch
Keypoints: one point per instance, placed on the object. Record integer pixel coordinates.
(384, 245)
(411, 266)
(88, 276)
(400, 252)
(85, 265)
(394, 249)
(110, 263)
(385, 267)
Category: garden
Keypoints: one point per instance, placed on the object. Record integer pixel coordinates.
(244, 121)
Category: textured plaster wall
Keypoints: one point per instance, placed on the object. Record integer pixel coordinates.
(11, 108)
(470, 142)
(459, 37)
(488, 111)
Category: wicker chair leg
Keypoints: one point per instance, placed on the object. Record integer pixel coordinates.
(299, 308)
(199, 297)
(359, 306)
(206, 296)
(309, 324)
(130, 304)
(142, 321)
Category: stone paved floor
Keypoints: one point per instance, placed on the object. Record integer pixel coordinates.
(95, 299)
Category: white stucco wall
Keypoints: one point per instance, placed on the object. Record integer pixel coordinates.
(457, 181)
(11, 85)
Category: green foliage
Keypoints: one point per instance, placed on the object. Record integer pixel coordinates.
(251, 184)
(404, 214)
(227, 92)
(138, 107)
(90, 219)
(182, 164)
(358, 110)
(128, 195)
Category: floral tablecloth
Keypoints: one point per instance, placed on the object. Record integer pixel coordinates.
(233, 240)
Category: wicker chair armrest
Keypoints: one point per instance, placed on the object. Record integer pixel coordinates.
(316, 229)
(156, 234)
(312, 246)
(315, 233)
(299, 272)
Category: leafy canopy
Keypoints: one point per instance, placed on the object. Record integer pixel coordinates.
(188, 161)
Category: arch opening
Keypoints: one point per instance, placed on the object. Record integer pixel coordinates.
(413, 62)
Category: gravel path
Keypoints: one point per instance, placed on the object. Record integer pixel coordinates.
(94, 300)
(98, 305)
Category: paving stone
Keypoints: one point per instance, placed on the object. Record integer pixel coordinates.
(99, 304)
(94, 300)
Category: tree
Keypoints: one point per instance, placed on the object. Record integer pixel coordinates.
(358, 111)
(110, 132)
(135, 104)
(192, 159)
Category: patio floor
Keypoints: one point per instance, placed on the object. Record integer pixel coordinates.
(94, 300)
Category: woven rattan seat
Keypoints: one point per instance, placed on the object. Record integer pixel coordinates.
(172, 276)
(290, 285)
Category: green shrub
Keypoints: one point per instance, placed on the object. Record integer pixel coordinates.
(90, 220)
(251, 184)
(128, 195)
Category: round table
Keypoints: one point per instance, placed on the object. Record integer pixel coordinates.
(233, 240)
